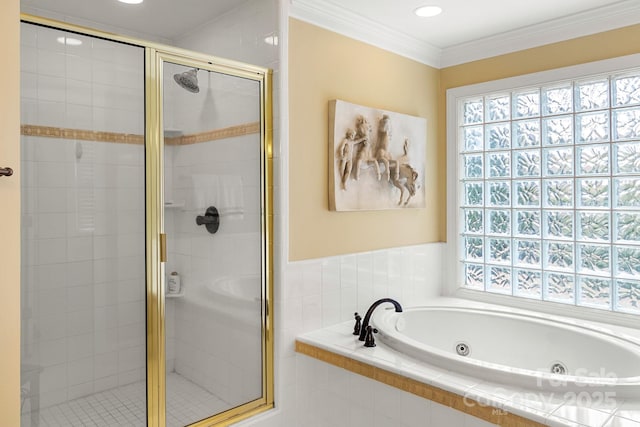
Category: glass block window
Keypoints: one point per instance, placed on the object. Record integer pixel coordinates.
(549, 185)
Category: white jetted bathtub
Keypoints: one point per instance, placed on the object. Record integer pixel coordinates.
(513, 347)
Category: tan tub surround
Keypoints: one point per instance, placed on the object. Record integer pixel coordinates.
(495, 403)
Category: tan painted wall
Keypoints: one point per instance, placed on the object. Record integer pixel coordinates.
(323, 66)
(10, 214)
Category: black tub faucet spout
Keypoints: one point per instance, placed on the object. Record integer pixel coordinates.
(367, 317)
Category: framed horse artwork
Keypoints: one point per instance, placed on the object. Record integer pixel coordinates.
(376, 158)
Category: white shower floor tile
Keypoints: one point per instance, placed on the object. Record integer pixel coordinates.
(125, 406)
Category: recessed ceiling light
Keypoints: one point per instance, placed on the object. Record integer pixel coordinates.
(131, 1)
(69, 41)
(428, 11)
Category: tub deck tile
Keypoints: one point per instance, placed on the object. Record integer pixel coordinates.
(501, 405)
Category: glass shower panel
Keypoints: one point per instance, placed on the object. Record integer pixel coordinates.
(83, 235)
(214, 242)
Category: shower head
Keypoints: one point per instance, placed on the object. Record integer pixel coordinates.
(188, 80)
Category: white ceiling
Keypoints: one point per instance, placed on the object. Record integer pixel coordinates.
(467, 29)
(440, 40)
(465, 20)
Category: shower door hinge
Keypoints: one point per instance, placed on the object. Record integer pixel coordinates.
(163, 247)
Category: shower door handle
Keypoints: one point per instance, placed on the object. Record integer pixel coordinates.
(6, 171)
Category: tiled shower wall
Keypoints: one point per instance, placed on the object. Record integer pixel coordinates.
(83, 216)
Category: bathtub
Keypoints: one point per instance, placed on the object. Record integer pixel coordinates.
(515, 347)
(243, 290)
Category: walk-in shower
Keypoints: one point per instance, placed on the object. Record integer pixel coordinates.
(118, 162)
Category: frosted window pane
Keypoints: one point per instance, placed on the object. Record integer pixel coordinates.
(558, 224)
(558, 100)
(499, 222)
(628, 296)
(499, 193)
(474, 221)
(594, 258)
(593, 127)
(595, 292)
(473, 166)
(474, 248)
(473, 193)
(526, 104)
(594, 192)
(473, 112)
(558, 192)
(474, 276)
(528, 223)
(526, 133)
(498, 108)
(593, 160)
(559, 256)
(499, 250)
(627, 227)
(626, 124)
(592, 95)
(528, 252)
(529, 283)
(558, 161)
(499, 280)
(473, 138)
(626, 90)
(527, 193)
(559, 287)
(499, 165)
(627, 191)
(557, 131)
(594, 226)
(498, 136)
(627, 157)
(627, 262)
(527, 163)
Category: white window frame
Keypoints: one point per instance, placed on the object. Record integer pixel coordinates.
(453, 274)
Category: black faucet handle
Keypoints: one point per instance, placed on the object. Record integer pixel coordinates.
(369, 341)
(357, 326)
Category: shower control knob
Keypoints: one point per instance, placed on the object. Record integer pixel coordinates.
(6, 171)
(211, 219)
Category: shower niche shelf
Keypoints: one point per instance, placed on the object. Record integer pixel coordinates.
(174, 205)
(178, 295)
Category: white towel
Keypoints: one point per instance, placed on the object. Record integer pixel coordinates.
(225, 192)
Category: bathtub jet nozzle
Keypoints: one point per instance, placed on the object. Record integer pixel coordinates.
(367, 317)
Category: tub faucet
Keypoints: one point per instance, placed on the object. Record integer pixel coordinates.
(365, 322)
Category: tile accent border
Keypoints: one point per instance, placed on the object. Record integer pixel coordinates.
(212, 135)
(128, 138)
(80, 134)
(426, 391)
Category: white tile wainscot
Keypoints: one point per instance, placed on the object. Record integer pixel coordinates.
(493, 403)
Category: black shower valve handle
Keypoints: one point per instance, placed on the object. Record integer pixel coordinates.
(211, 219)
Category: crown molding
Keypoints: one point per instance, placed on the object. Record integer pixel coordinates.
(333, 17)
(586, 23)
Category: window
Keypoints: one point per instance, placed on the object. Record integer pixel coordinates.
(549, 191)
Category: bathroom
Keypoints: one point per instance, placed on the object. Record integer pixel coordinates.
(330, 265)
